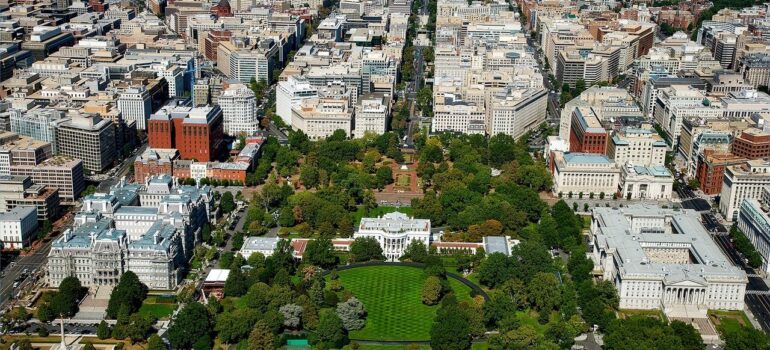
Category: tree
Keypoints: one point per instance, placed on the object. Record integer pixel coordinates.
(431, 290)
(89, 346)
(45, 312)
(320, 252)
(416, 251)
(745, 338)
(261, 337)
(352, 313)
(450, 330)
(384, 176)
(155, 343)
(365, 249)
(24, 344)
(235, 285)
(543, 291)
(494, 270)
(129, 291)
(138, 327)
(330, 333)
(103, 330)
(233, 326)
(65, 302)
(227, 203)
(190, 324)
(690, 338)
(292, 315)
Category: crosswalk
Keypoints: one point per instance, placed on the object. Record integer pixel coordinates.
(758, 292)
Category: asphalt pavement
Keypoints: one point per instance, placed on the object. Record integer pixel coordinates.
(14, 270)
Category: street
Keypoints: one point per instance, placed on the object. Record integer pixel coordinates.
(12, 272)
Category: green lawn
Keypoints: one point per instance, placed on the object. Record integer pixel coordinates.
(378, 211)
(159, 311)
(658, 314)
(391, 295)
(729, 320)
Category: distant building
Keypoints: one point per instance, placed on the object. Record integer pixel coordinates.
(742, 182)
(196, 132)
(587, 134)
(584, 173)
(136, 105)
(372, 115)
(18, 227)
(89, 138)
(239, 110)
(65, 174)
(754, 222)
(394, 232)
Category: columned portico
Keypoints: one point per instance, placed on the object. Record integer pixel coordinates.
(685, 296)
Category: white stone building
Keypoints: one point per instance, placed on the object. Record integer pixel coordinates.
(290, 93)
(239, 110)
(18, 227)
(742, 182)
(455, 115)
(264, 245)
(321, 117)
(664, 259)
(584, 172)
(394, 231)
(372, 115)
(637, 146)
(646, 182)
(136, 105)
(516, 111)
(754, 222)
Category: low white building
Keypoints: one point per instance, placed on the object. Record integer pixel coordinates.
(664, 259)
(264, 245)
(646, 182)
(584, 172)
(18, 227)
(394, 231)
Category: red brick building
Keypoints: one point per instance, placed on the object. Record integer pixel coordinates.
(222, 9)
(213, 38)
(752, 144)
(586, 133)
(711, 170)
(196, 132)
(154, 162)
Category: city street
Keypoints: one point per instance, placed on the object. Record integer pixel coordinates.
(10, 273)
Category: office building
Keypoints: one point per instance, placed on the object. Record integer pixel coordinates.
(752, 143)
(710, 171)
(290, 93)
(239, 110)
(18, 227)
(372, 115)
(136, 105)
(637, 146)
(646, 182)
(515, 112)
(664, 259)
(575, 173)
(741, 182)
(196, 132)
(321, 117)
(587, 134)
(754, 222)
(90, 139)
(63, 173)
